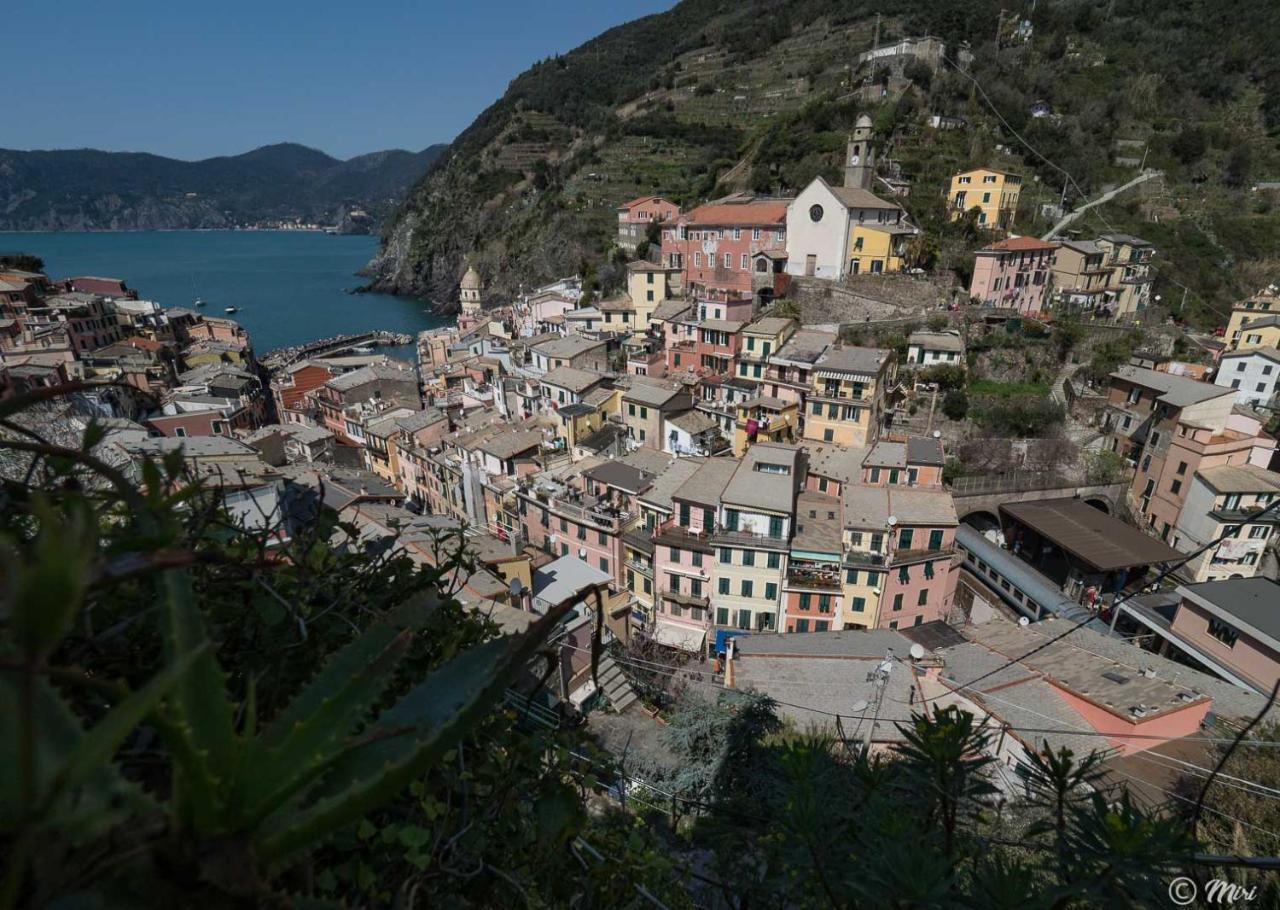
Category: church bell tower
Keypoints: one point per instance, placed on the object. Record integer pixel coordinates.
(860, 158)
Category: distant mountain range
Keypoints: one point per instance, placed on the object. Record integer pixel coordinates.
(87, 190)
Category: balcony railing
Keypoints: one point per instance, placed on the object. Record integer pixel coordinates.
(823, 578)
(687, 600)
(748, 538)
(902, 557)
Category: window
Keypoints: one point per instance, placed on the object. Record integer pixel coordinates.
(673, 583)
(724, 586)
(923, 598)
(582, 532)
(824, 603)
(179, 431)
(744, 619)
(726, 556)
(828, 435)
(697, 260)
(604, 564)
(731, 519)
(728, 260)
(897, 602)
(821, 625)
(859, 604)
(805, 601)
(722, 616)
(822, 484)
(1259, 532)
(775, 560)
(217, 426)
(770, 591)
(775, 527)
(708, 519)
(564, 526)
(695, 586)
(674, 555)
(748, 557)
(875, 475)
(877, 543)
(696, 557)
(746, 264)
(1223, 632)
(602, 538)
(851, 576)
(1182, 468)
(746, 588)
(904, 539)
(1175, 487)
(904, 574)
(935, 540)
(802, 625)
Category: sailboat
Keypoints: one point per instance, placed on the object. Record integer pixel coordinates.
(199, 299)
(232, 309)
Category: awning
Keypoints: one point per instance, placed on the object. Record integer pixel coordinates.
(676, 636)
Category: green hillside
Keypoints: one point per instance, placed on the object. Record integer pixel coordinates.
(713, 96)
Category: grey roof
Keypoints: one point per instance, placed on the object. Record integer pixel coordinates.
(805, 346)
(671, 310)
(1177, 391)
(623, 476)
(1089, 534)
(646, 459)
(817, 523)
(937, 341)
(857, 198)
(1087, 247)
(193, 446)
(1261, 322)
(558, 580)
(865, 507)
(1125, 238)
(511, 443)
(887, 454)
(842, 463)
(919, 506)
(706, 485)
(693, 422)
(722, 325)
(370, 373)
(925, 450)
(769, 325)
(1250, 603)
(575, 410)
(853, 360)
(651, 394)
(1244, 478)
(568, 347)
(1272, 354)
(667, 482)
(756, 489)
(420, 420)
(573, 379)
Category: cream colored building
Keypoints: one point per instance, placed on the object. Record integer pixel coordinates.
(846, 401)
(993, 193)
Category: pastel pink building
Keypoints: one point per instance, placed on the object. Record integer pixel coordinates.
(1013, 274)
(715, 245)
(635, 216)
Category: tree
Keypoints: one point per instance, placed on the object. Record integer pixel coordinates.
(946, 376)
(955, 404)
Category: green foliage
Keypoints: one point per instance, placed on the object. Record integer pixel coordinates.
(1018, 416)
(947, 377)
(24, 262)
(955, 404)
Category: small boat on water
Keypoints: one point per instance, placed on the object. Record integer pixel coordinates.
(199, 301)
(362, 349)
(232, 309)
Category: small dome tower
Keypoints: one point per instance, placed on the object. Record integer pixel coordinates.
(469, 294)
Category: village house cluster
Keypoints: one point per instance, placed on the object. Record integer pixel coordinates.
(731, 481)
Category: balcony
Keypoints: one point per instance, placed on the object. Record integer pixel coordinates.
(905, 557)
(855, 560)
(686, 600)
(644, 568)
(815, 577)
(749, 539)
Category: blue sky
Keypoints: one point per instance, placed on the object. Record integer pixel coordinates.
(195, 78)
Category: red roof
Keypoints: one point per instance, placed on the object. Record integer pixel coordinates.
(1020, 245)
(145, 344)
(642, 200)
(108, 287)
(771, 212)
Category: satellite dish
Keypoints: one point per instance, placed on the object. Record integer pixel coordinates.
(937, 434)
(582, 554)
(516, 587)
(859, 706)
(893, 521)
(917, 652)
(1023, 621)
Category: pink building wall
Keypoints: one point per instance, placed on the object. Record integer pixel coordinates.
(1129, 736)
(1247, 657)
(941, 587)
(998, 269)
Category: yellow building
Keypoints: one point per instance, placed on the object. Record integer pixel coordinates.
(1260, 304)
(763, 419)
(760, 341)
(845, 404)
(876, 248)
(1261, 332)
(648, 285)
(993, 193)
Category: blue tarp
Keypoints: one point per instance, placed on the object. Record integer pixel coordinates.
(723, 635)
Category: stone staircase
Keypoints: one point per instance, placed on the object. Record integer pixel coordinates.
(613, 683)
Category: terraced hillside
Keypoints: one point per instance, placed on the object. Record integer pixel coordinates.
(714, 96)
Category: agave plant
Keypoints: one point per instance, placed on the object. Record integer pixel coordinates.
(239, 800)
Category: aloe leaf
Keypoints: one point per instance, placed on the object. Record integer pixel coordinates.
(98, 745)
(408, 738)
(202, 713)
(277, 773)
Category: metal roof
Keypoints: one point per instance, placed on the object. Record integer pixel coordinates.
(1090, 534)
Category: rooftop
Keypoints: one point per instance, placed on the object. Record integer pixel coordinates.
(371, 373)
(756, 484)
(511, 443)
(573, 379)
(805, 346)
(857, 198)
(1176, 391)
(706, 485)
(1245, 478)
(1018, 245)
(740, 211)
(567, 347)
(668, 481)
(623, 476)
(769, 325)
(652, 394)
(937, 341)
(841, 463)
(1250, 604)
(1090, 534)
(853, 360)
(817, 523)
(558, 580)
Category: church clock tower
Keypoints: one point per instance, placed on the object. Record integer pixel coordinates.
(860, 159)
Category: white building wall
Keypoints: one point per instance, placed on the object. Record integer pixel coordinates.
(826, 239)
(1254, 378)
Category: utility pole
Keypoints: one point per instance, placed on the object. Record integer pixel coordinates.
(878, 678)
(933, 403)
